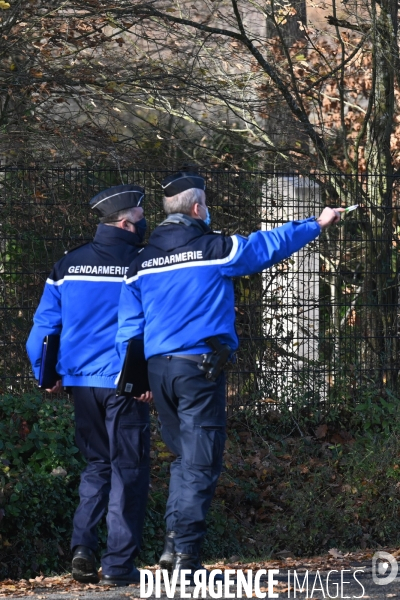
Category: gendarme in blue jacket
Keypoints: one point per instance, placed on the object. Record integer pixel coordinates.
(179, 290)
(80, 301)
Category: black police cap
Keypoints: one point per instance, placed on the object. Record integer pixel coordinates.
(181, 181)
(119, 197)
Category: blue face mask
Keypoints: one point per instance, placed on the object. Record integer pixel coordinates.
(141, 227)
(207, 220)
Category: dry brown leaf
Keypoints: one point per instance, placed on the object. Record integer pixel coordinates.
(335, 553)
(321, 431)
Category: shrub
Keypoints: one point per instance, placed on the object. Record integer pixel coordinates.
(39, 477)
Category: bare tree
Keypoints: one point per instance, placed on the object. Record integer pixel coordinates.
(207, 81)
(224, 75)
(205, 72)
(72, 88)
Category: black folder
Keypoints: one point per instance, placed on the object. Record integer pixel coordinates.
(133, 380)
(48, 375)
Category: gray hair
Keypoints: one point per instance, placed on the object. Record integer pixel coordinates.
(183, 202)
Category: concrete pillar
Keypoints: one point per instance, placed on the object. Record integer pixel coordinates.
(291, 296)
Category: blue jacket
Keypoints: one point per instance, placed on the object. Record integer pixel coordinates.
(80, 301)
(179, 290)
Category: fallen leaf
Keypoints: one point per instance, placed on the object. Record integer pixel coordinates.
(321, 431)
(59, 472)
(285, 554)
(335, 553)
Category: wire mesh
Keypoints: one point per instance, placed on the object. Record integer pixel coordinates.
(319, 325)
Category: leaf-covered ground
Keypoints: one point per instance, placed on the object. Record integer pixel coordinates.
(41, 586)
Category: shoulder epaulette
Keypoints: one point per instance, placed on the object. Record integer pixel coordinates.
(215, 232)
(76, 247)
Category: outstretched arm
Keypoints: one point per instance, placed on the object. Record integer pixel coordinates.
(263, 249)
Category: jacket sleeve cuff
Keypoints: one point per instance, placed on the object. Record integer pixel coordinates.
(309, 220)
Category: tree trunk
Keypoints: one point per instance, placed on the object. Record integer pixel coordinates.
(381, 296)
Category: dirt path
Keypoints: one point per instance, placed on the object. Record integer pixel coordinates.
(335, 575)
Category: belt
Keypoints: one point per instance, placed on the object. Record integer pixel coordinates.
(198, 358)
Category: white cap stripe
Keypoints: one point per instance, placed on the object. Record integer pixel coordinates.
(119, 193)
(164, 187)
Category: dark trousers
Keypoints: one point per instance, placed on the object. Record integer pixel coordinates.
(191, 411)
(113, 434)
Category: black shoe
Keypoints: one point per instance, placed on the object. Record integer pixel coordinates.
(132, 577)
(168, 554)
(191, 562)
(84, 565)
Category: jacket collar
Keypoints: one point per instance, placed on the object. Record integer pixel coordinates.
(110, 235)
(181, 219)
(174, 232)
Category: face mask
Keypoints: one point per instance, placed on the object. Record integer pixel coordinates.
(141, 227)
(207, 220)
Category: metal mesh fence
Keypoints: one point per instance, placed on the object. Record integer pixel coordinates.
(321, 325)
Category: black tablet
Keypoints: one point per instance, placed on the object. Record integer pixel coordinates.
(48, 375)
(133, 380)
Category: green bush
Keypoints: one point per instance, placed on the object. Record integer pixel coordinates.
(39, 477)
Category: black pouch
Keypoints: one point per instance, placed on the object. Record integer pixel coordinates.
(213, 362)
